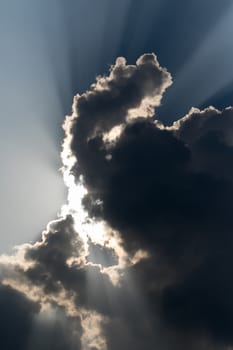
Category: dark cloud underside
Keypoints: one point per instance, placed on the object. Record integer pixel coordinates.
(167, 191)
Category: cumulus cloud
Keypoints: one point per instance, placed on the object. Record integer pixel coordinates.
(141, 255)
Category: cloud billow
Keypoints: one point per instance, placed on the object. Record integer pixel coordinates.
(165, 194)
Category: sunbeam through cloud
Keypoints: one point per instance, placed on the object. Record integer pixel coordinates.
(140, 254)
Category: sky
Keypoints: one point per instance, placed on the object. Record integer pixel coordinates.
(135, 213)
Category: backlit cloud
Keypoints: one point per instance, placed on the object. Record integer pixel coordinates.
(140, 256)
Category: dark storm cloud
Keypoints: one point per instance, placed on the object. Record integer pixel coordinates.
(72, 286)
(50, 256)
(108, 103)
(16, 317)
(43, 276)
(168, 192)
(210, 134)
(52, 270)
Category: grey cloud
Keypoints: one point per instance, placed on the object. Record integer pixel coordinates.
(50, 256)
(210, 134)
(165, 190)
(17, 314)
(107, 104)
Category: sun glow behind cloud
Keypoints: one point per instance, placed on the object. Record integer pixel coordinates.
(46, 40)
(110, 254)
(64, 248)
(87, 228)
